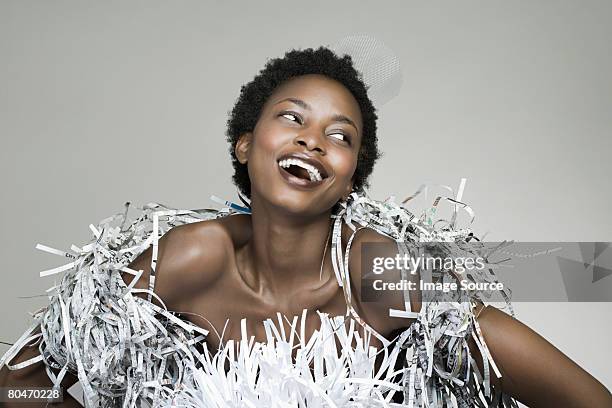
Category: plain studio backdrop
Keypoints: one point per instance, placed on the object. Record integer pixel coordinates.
(107, 102)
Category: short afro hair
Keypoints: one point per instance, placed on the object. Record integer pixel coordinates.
(322, 61)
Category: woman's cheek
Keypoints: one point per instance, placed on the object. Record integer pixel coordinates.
(346, 165)
(272, 139)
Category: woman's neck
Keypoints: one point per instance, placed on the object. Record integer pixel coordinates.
(285, 251)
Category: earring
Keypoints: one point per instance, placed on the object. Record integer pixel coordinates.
(345, 199)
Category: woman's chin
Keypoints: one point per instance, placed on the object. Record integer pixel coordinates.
(297, 200)
(302, 208)
(297, 204)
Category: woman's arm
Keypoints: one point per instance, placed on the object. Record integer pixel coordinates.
(534, 371)
(34, 376)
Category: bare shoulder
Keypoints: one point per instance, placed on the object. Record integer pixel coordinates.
(374, 305)
(365, 239)
(190, 258)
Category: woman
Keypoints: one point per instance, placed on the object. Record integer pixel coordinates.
(303, 143)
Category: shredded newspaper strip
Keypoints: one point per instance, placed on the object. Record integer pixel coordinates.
(129, 352)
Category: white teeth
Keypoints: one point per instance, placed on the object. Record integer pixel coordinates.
(313, 172)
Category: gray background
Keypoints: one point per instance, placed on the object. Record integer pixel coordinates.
(104, 102)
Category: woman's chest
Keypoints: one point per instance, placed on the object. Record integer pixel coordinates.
(230, 313)
(317, 317)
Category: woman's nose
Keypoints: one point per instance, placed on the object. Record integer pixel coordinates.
(311, 141)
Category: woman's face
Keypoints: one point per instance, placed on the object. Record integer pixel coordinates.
(302, 154)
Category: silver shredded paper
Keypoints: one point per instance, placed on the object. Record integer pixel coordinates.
(129, 352)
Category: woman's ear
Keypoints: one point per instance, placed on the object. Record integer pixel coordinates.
(349, 190)
(243, 145)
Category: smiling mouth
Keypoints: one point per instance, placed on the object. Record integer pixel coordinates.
(301, 169)
(299, 172)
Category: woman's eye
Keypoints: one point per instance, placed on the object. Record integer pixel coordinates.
(291, 116)
(340, 136)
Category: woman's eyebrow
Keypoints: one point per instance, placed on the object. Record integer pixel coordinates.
(304, 105)
(296, 101)
(344, 119)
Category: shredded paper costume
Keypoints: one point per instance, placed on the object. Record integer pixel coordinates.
(129, 352)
